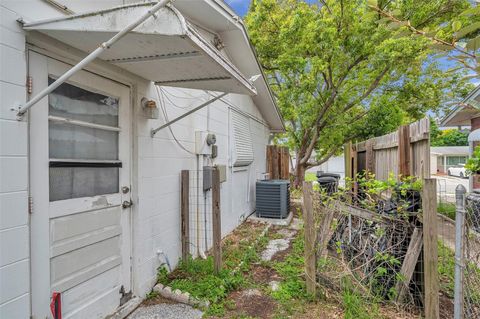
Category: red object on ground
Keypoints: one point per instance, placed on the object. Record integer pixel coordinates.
(56, 305)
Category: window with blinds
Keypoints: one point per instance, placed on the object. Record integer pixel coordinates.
(243, 147)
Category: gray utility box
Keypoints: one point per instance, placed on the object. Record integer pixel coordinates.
(273, 199)
(207, 177)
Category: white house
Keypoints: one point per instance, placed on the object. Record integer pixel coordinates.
(88, 194)
(444, 157)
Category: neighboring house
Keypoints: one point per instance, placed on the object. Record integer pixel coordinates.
(444, 157)
(103, 194)
(467, 113)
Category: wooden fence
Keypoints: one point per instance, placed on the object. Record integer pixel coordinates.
(418, 275)
(404, 152)
(199, 226)
(278, 162)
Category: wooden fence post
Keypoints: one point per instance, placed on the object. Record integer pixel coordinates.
(275, 168)
(269, 160)
(285, 163)
(370, 156)
(216, 221)
(347, 148)
(310, 251)
(185, 214)
(404, 150)
(430, 248)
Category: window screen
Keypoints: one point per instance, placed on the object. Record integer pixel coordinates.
(83, 143)
(243, 140)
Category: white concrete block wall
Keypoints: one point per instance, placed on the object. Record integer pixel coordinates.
(157, 164)
(160, 160)
(14, 232)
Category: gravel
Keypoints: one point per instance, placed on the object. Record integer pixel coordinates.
(166, 311)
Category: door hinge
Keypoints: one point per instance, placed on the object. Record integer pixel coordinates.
(30, 204)
(29, 84)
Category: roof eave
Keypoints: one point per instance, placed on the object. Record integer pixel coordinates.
(240, 24)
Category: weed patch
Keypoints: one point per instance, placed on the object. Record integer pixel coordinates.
(446, 209)
(446, 269)
(197, 276)
(356, 305)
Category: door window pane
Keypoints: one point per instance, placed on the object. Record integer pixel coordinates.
(69, 141)
(73, 142)
(75, 103)
(74, 182)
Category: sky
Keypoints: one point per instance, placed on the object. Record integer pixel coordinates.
(240, 6)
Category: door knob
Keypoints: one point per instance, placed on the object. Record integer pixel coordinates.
(127, 204)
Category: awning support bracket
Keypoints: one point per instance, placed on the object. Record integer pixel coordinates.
(22, 109)
(154, 131)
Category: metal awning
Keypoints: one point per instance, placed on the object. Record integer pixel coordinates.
(165, 48)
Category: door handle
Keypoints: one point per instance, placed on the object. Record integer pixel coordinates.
(127, 204)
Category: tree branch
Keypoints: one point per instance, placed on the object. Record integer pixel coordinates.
(372, 87)
(423, 33)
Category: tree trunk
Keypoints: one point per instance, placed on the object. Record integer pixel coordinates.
(299, 174)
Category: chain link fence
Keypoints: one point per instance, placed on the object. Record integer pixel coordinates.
(467, 294)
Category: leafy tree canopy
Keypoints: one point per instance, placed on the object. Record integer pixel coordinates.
(341, 71)
(457, 38)
(449, 137)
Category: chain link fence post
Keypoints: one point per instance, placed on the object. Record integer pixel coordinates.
(460, 192)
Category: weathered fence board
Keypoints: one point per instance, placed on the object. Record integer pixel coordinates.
(430, 251)
(404, 152)
(409, 263)
(185, 215)
(278, 162)
(310, 237)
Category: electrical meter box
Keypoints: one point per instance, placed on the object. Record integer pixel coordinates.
(204, 142)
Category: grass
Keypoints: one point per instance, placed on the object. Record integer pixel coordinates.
(197, 277)
(356, 305)
(446, 272)
(292, 292)
(446, 269)
(310, 177)
(446, 209)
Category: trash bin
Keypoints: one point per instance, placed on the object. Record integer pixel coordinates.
(328, 182)
(323, 174)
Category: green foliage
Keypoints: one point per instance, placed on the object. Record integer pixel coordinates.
(339, 72)
(310, 177)
(292, 291)
(447, 209)
(197, 277)
(151, 295)
(473, 163)
(446, 269)
(291, 269)
(451, 137)
(356, 305)
(457, 38)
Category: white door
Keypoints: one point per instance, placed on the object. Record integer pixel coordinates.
(80, 185)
